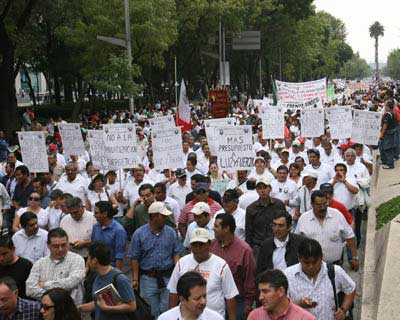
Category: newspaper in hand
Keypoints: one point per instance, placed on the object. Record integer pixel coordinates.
(109, 294)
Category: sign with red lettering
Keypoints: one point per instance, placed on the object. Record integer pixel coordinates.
(219, 102)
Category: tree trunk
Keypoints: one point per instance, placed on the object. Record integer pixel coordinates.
(57, 89)
(31, 89)
(376, 59)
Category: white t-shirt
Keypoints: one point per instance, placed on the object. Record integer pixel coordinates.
(343, 195)
(175, 314)
(284, 191)
(325, 173)
(220, 282)
(266, 175)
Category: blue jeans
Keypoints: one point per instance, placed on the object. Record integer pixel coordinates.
(155, 297)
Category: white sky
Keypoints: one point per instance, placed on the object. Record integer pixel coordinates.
(358, 15)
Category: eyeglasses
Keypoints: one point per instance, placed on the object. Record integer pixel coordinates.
(45, 307)
(34, 199)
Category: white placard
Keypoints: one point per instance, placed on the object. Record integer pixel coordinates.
(96, 149)
(120, 146)
(299, 105)
(312, 123)
(167, 149)
(162, 123)
(209, 126)
(261, 104)
(273, 123)
(72, 140)
(301, 91)
(33, 150)
(366, 127)
(235, 147)
(340, 122)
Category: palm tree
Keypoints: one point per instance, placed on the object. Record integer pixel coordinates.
(375, 31)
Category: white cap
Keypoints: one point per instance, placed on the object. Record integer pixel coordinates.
(200, 207)
(309, 173)
(266, 181)
(200, 235)
(159, 207)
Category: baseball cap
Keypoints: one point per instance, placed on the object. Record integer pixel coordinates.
(296, 143)
(285, 150)
(310, 173)
(265, 181)
(159, 207)
(180, 173)
(52, 147)
(199, 235)
(326, 187)
(259, 158)
(199, 208)
(200, 186)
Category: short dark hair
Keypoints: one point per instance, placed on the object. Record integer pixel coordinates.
(299, 157)
(227, 220)
(56, 194)
(313, 151)
(76, 202)
(282, 167)
(317, 194)
(26, 217)
(188, 281)
(6, 242)
(146, 186)
(162, 187)
(101, 252)
(251, 184)
(338, 165)
(193, 161)
(24, 170)
(56, 233)
(9, 282)
(275, 278)
(197, 177)
(309, 248)
(283, 214)
(105, 206)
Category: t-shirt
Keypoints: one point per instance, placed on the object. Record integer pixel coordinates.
(175, 314)
(124, 288)
(19, 271)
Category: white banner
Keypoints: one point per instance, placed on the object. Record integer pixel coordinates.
(72, 140)
(273, 123)
(235, 147)
(209, 126)
(120, 146)
(33, 150)
(162, 123)
(300, 105)
(261, 104)
(167, 149)
(366, 127)
(96, 149)
(340, 122)
(312, 123)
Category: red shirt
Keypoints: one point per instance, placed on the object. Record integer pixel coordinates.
(294, 312)
(186, 217)
(396, 111)
(341, 207)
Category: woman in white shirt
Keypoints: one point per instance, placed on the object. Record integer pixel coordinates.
(219, 180)
(295, 174)
(99, 192)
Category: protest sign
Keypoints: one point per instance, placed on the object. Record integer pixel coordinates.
(312, 123)
(72, 140)
(261, 104)
(162, 123)
(220, 185)
(167, 149)
(273, 123)
(33, 150)
(340, 122)
(235, 147)
(366, 127)
(120, 147)
(300, 105)
(96, 149)
(219, 102)
(209, 126)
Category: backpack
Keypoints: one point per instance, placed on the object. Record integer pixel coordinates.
(338, 296)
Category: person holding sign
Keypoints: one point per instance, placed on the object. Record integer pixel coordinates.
(388, 136)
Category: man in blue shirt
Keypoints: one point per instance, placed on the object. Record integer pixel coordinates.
(154, 250)
(3, 147)
(110, 232)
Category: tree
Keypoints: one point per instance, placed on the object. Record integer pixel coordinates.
(375, 31)
(393, 64)
(355, 68)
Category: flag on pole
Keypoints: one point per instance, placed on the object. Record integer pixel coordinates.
(183, 116)
(274, 92)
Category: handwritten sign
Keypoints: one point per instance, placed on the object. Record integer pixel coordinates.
(312, 122)
(273, 123)
(366, 127)
(96, 149)
(72, 140)
(301, 91)
(340, 122)
(120, 146)
(167, 149)
(299, 105)
(235, 147)
(209, 126)
(162, 123)
(33, 150)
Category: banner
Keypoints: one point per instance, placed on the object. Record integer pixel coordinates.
(261, 104)
(120, 146)
(209, 126)
(340, 122)
(184, 111)
(273, 123)
(315, 102)
(235, 147)
(33, 150)
(96, 149)
(167, 149)
(312, 123)
(162, 123)
(72, 140)
(219, 102)
(331, 92)
(366, 127)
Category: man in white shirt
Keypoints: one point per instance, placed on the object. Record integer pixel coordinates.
(72, 182)
(180, 189)
(296, 152)
(202, 219)
(283, 188)
(131, 191)
(250, 196)
(160, 192)
(221, 287)
(328, 155)
(345, 188)
(325, 171)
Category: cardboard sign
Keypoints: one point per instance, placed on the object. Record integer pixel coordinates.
(209, 126)
(162, 123)
(33, 150)
(312, 123)
(340, 122)
(96, 149)
(120, 146)
(366, 127)
(273, 123)
(167, 149)
(219, 102)
(72, 140)
(300, 105)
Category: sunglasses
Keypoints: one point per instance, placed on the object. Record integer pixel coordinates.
(34, 199)
(45, 307)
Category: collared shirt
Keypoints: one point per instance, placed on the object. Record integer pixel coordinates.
(325, 172)
(240, 219)
(240, 259)
(300, 286)
(293, 312)
(175, 314)
(342, 193)
(179, 193)
(21, 193)
(77, 187)
(67, 273)
(26, 310)
(131, 191)
(187, 217)
(32, 248)
(278, 256)
(302, 199)
(155, 251)
(209, 226)
(330, 234)
(113, 235)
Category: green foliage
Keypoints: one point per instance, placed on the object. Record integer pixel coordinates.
(393, 64)
(355, 68)
(376, 30)
(387, 211)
